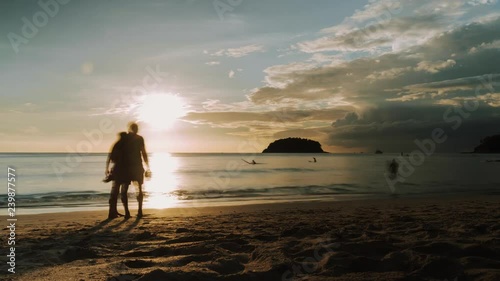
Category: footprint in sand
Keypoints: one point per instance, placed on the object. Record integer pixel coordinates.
(194, 258)
(226, 266)
(146, 235)
(78, 253)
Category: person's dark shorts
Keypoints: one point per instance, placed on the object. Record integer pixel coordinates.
(121, 175)
(137, 174)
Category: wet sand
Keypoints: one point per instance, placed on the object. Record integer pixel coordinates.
(445, 238)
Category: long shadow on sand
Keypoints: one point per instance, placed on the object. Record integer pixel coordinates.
(62, 244)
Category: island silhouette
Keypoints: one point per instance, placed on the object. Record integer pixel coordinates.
(490, 144)
(294, 145)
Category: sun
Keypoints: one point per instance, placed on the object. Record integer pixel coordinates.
(160, 110)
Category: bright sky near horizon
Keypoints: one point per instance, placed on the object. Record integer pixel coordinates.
(210, 76)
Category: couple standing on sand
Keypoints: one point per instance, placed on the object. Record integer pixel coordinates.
(127, 155)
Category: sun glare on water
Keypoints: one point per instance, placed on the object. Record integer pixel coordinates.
(160, 111)
(163, 182)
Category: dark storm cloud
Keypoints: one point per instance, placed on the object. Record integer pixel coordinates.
(394, 128)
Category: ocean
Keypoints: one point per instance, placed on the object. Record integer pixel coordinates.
(60, 182)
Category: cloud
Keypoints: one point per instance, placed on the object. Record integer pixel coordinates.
(393, 128)
(400, 95)
(440, 60)
(389, 25)
(213, 63)
(472, 87)
(348, 119)
(279, 75)
(284, 115)
(232, 73)
(482, 2)
(407, 30)
(377, 8)
(388, 74)
(434, 67)
(380, 79)
(493, 45)
(267, 124)
(239, 52)
(491, 99)
(402, 135)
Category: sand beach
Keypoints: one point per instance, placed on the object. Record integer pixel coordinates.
(440, 238)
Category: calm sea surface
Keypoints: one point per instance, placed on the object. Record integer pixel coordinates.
(49, 182)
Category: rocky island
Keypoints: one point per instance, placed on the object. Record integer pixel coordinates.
(294, 145)
(490, 144)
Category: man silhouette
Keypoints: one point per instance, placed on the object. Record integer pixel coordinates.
(135, 153)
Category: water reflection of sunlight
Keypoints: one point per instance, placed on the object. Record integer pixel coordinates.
(162, 183)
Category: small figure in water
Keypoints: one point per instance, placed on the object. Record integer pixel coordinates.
(393, 168)
(314, 160)
(251, 163)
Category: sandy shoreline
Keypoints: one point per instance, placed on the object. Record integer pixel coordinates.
(391, 239)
